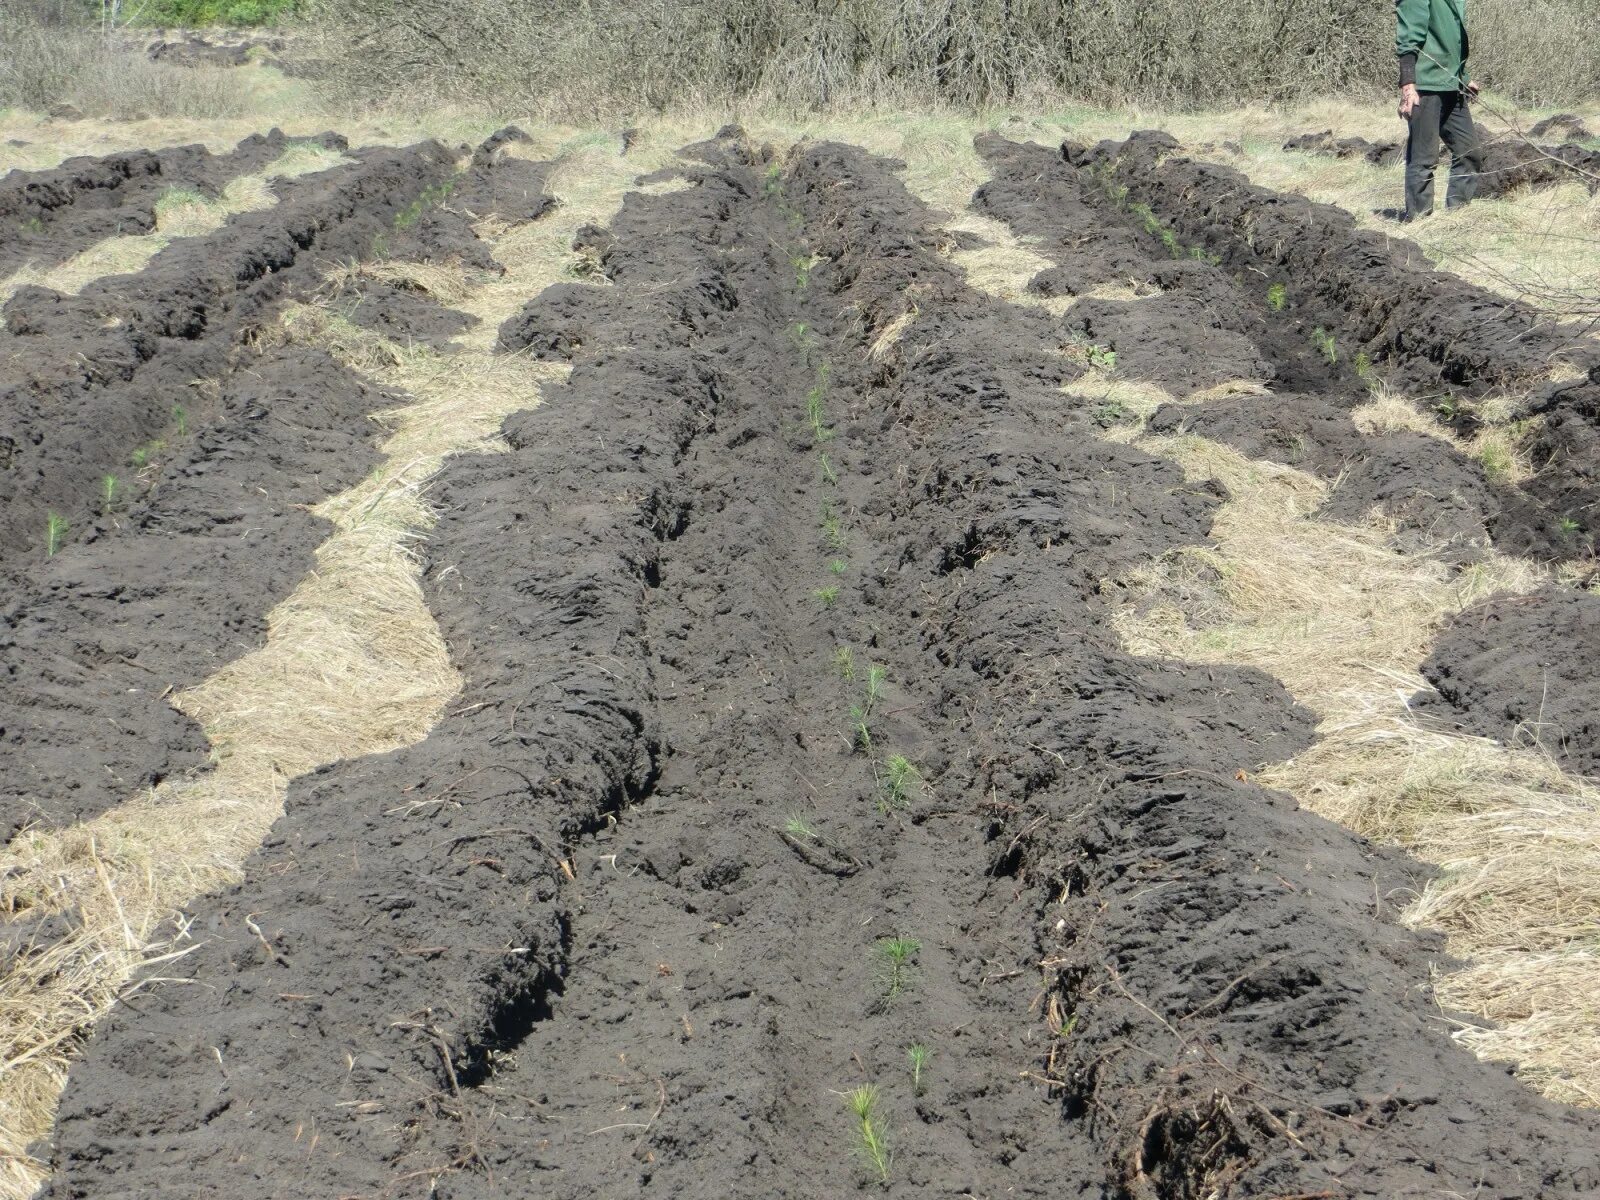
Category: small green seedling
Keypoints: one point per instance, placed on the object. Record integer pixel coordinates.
(896, 955)
(108, 492)
(817, 414)
(774, 179)
(55, 533)
(1277, 297)
(1325, 344)
(873, 1143)
(832, 527)
(844, 662)
(1449, 407)
(829, 475)
(1363, 365)
(1497, 461)
(798, 827)
(861, 714)
(1569, 527)
(838, 566)
(827, 596)
(1112, 412)
(180, 420)
(899, 780)
(918, 1056)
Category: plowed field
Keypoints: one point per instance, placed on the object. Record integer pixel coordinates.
(776, 705)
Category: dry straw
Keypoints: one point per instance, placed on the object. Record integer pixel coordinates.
(1345, 622)
(353, 665)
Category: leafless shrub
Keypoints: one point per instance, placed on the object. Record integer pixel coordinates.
(582, 58)
(51, 59)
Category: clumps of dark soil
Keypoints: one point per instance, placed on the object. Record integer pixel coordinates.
(195, 51)
(87, 380)
(495, 184)
(205, 526)
(1510, 164)
(48, 216)
(566, 946)
(1569, 126)
(165, 586)
(403, 315)
(1334, 306)
(1378, 154)
(1436, 495)
(1524, 670)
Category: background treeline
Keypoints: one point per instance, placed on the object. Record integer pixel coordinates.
(595, 56)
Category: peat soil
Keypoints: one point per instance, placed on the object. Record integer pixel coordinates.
(1510, 164)
(625, 923)
(1524, 670)
(175, 574)
(1315, 310)
(51, 215)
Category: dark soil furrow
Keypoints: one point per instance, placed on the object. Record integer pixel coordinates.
(1234, 1016)
(1510, 164)
(87, 380)
(1302, 301)
(49, 216)
(193, 545)
(621, 924)
(1524, 670)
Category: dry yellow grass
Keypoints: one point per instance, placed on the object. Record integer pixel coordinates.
(1345, 622)
(353, 665)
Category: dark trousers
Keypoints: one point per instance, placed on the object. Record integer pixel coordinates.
(1441, 115)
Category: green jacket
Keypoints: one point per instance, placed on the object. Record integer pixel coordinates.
(1431, 42)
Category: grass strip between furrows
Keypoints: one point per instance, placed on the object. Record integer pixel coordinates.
(181, 213)
(1345, 622)
(353, 665)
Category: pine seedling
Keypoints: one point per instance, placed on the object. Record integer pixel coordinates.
(844, 662)
(1364, 367)
(180, 420)
(896, 954)
(817, 414)
(798, 827)
(875, 681)
(838, 566)
(829, 475)
(918, 1056)
(1326, 344)
(1569, 527)
(55, 533)
(832, 526)
(827, 596)
(861, 726)
(900, 778)
(1277, 297)
(874, 1144)
(108, 492)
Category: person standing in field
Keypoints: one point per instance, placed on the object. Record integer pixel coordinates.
(1432, 44)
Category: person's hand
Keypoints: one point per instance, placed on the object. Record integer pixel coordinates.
(1472, 87)
(1409, 99)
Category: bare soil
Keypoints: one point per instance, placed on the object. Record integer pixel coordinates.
(795, 730)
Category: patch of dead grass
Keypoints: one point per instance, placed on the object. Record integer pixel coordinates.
(1345, 622)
